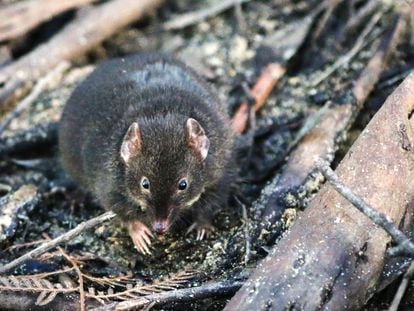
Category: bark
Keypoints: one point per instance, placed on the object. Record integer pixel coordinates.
(334, 255)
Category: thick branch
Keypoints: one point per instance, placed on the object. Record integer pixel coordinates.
(381, 220)
(40, 86)
(18, 18)
(378, 218)
(331, 247)
(81, 35)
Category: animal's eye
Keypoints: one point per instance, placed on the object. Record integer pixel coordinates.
(145, 183)
(182, 184)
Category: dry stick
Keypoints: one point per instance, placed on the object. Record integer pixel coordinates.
(260, 92)
(292, 36)
(402, 288)
(241, 20)
(378, 218)
(354, 22)
(56, 241)
(359, 45)
(331, 6)
(40, 86)
(192, 18)
(21, 245)
(79, 36)
(208, 290)
(395, 79)
(16, 19)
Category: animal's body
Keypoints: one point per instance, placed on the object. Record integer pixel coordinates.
(150, 139)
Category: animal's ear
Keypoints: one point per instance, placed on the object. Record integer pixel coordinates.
(197, 139)
(132, 142)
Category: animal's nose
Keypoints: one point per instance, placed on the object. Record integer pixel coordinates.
(160, 226)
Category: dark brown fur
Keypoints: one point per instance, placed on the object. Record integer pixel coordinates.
(160, 94)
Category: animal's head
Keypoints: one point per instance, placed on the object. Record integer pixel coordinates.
(164, 166)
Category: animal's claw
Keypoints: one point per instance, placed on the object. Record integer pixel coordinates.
(203, 230)
(141, 236)
(200, 234)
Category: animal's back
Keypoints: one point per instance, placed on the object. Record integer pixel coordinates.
(102, 107)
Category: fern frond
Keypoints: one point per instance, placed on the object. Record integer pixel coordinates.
(175, 281)
(28, 283)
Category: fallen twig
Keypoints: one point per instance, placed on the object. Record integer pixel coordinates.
(52, 76)
(47, 290)
(402, 288)
(359, 18)
(290, 37)
(58, 240)
(21, 245)
(330, 8)
(398, 78)
(213, 289)
(241, 21)
(18, 18)
(345, 59)
(79, 36)
(260, 91)
(195, 17)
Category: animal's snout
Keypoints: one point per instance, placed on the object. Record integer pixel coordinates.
(161, 226)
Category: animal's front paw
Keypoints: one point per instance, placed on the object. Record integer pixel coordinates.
(202, 229)
(141, 236)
